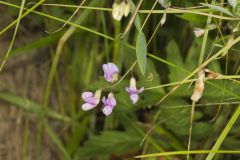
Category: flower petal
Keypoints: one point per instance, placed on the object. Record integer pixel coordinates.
(127, 10)
(128, 89)
(116, 12)
(104, 99)
(133, 83)
(106, 72)
(107, 110)
(91, 100)
(141, 90)
(110, 72)
(87, 106)
(113, 68)
(131, 90)
(134, 98)
(112, 101)
(87, 94)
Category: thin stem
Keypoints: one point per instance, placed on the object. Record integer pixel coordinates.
(199, 10)
(124, 75)
(145, 21)
(189, 152)
(190, 128)
(69, 19)
(226, 48)
(230, 77)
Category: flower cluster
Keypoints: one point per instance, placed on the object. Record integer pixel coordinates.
(111, 74)
(120, 10)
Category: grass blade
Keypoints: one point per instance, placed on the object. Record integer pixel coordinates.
(189, 152)
(31, 106)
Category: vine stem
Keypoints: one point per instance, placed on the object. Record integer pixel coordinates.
(190, 128)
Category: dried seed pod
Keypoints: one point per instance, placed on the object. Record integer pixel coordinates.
(199, 86)
(211, 74)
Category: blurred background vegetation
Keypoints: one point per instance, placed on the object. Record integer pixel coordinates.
(46, 72)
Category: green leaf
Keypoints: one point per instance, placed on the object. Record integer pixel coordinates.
(193, 18)
(217, 8)
(176, 119)
(200, 130)
(151, 78)
(174, 56)
(231, 142)
(216, 89)
(177, 74)
(141, 50)
(193, 55)
(146, 99)
(108, 143)
(233, 3)
(36, 44)
(137, 21)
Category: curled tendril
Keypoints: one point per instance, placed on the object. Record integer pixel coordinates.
(119, 36)
(150, 77)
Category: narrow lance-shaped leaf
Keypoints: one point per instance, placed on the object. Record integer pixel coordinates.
(137, 21)
(30, 106)
(217, 8)
(141, 50)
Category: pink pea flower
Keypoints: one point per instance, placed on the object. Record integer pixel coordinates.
(110, 72)
(91, 99)
(133, 91)
(109, 104)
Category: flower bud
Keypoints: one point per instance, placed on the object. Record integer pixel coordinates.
(126, 10)
(117, 11)
(198, 32)
(97, 95)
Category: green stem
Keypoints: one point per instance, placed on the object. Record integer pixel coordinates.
(189, 152)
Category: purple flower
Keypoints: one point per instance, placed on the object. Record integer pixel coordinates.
(133, 91)
(109, 104)
(110, 72)
(91, 99)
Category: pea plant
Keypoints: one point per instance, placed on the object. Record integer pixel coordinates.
(120, 79)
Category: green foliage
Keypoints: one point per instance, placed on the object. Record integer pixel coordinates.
(91, 38)
(141, 51)
(177, 119)
(217, 8)
(30, 106)
(137, 21)
(193, 18)
(173, 55)
(109, 142)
